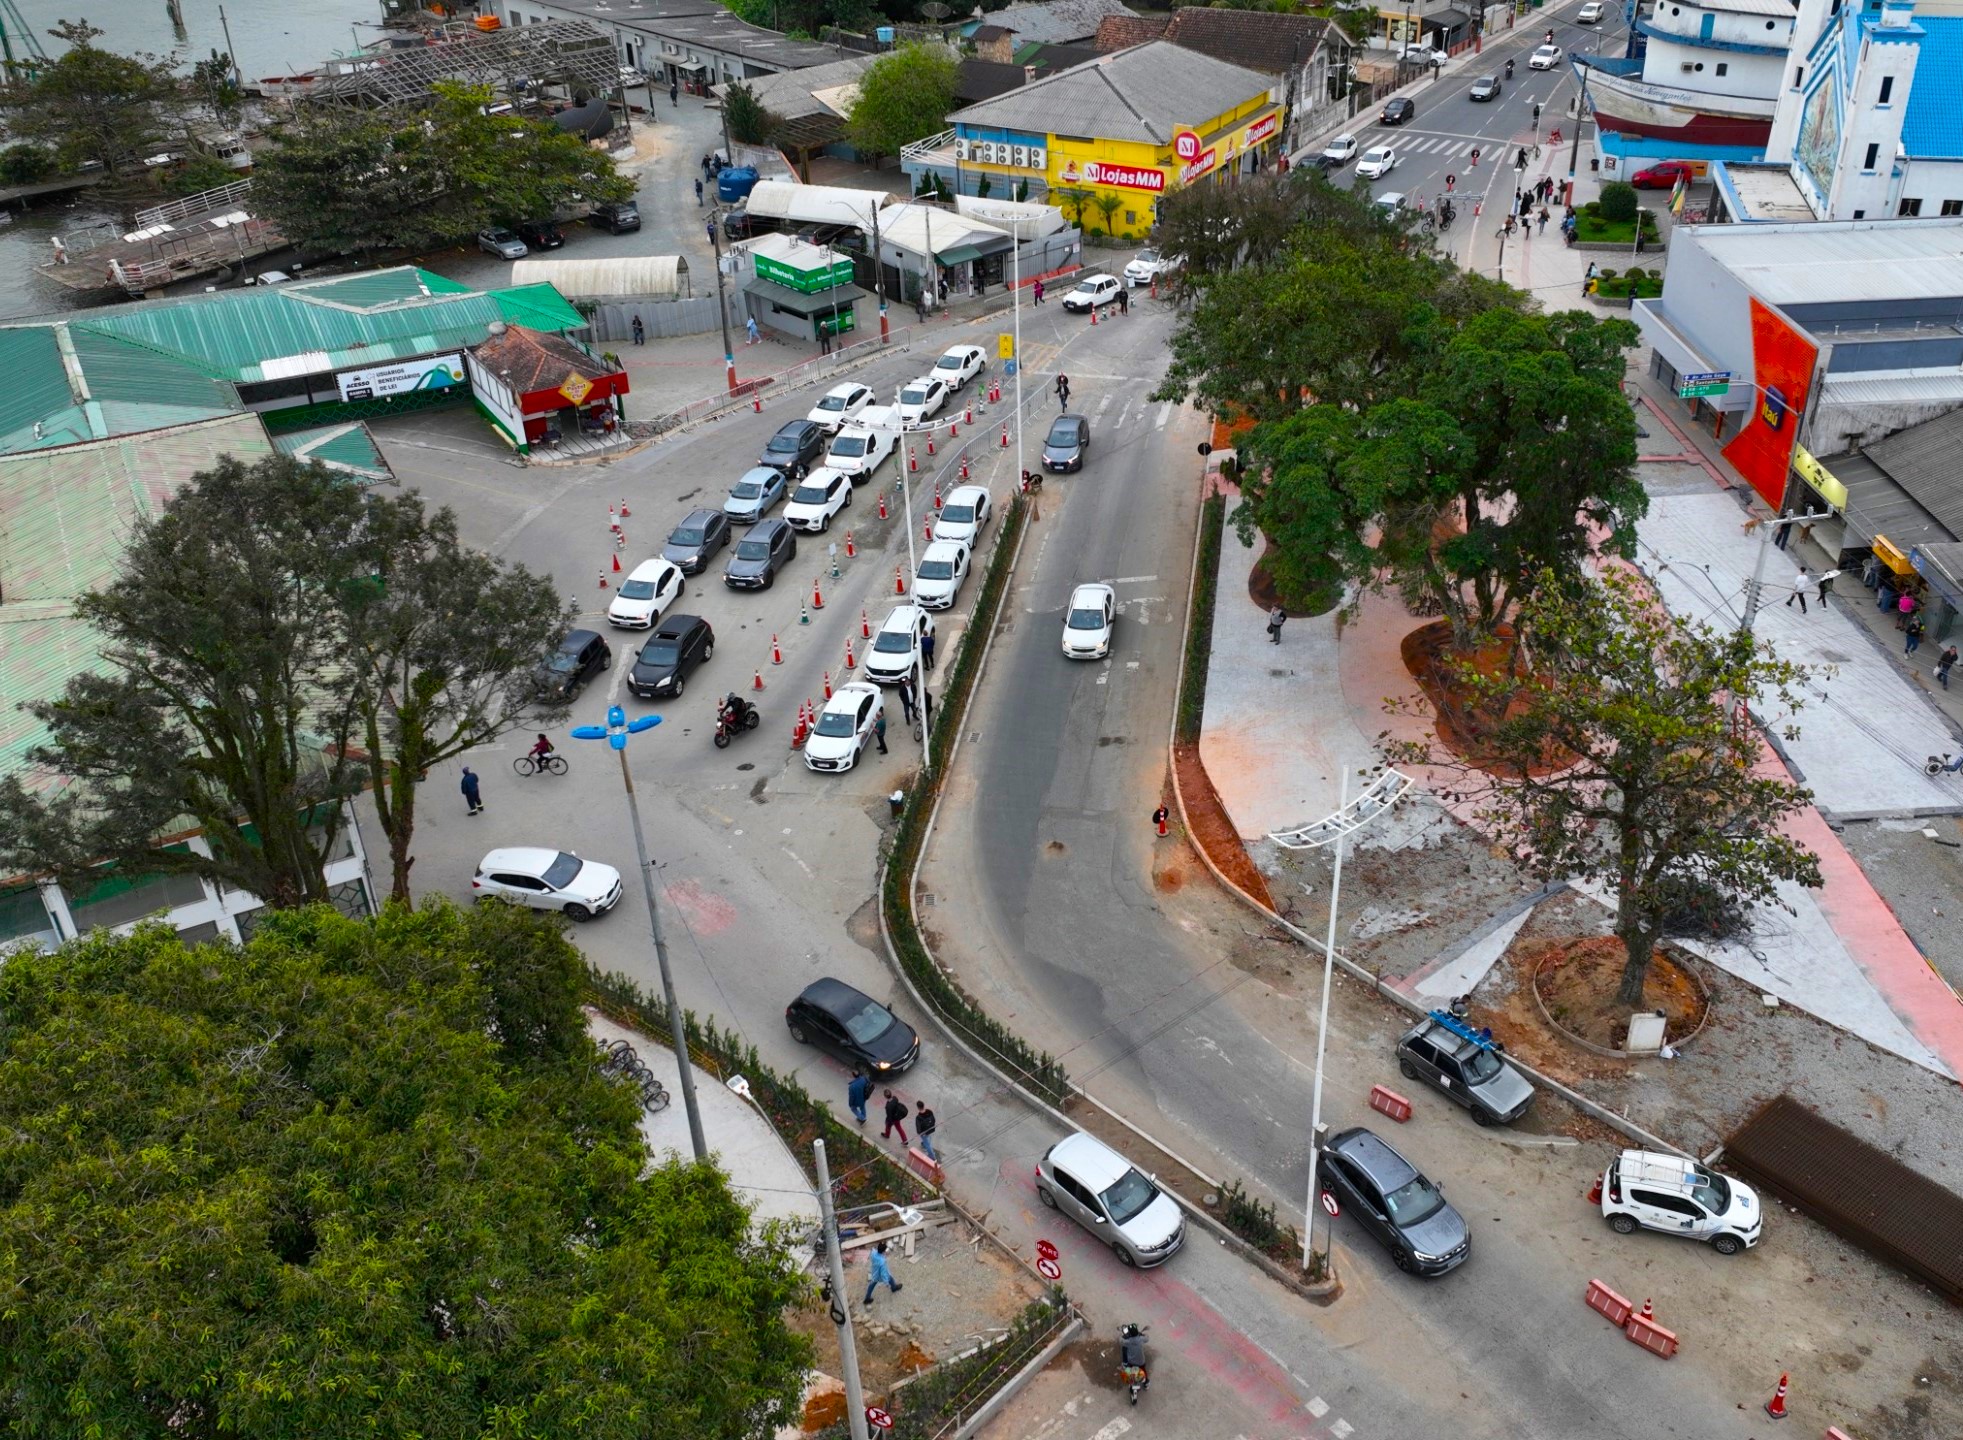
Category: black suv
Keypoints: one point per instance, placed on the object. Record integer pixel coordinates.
(679, 644)
(580, 656)
(540, 234)
(853, 1026)
(619, 218)
(700, 535)
(765, 548)
(795, 448)
(1390, 1199)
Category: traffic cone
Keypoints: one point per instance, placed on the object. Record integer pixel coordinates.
(913, 465)
(882, 504)
(756, 401)
(1093, 314)
(619, 538)
(899, 585)
(937, 493)
(964, 467)
(828, 684)
(953, 429)
(817, 595)
(616, 562)
(930, 442)
(850, 663)
(1595, 1192)
(1005, 436)
(1776, 1406)
(603, 581)
(759, 684)
(849, 550)
(865, 625)
(613, 520)
(797, 732)
(776, 651)
(1162, 809)
(968, 416)
(1646, 1314)
(803, 613)
(927, 531)
(624, 511)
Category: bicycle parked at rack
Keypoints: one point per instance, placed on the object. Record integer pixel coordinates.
(619, 1062)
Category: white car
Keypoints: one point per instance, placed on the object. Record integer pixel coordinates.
(1341, 150)
(1591, 13)
(920, 399)
(895, 649)
(818, 497)
(1091, 292)
(1377, 162)
(1147, 266)
(960, 365)
(1088, 622)
(1424, 55)
(858, 451)
(1391, 202)
(548, 880)
(937, 578)
(963, 514)
(651, 587)
(1545, 58)
(844, 727)
(841, 404)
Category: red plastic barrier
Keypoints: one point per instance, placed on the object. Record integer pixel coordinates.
(1389, 1102)
(1607, 1302)
(1651, 1336)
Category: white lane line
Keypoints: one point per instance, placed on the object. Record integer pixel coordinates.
(1341, 1429)
(1132, 580)
(1112, 1431)
(800, 862)
(1165, 414)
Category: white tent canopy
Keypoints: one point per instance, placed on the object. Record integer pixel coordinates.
(815, 204)
(1024, 219)
(640, 277)
(920, 228)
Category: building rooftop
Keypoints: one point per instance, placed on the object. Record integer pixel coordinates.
(1839, 260)
(1779, 9)
(704, 23)
(533, 360)
(794, 94)
(1056, 22)
(1145, 94)
(1261, 40)
(1933, 127)
(1764, 192)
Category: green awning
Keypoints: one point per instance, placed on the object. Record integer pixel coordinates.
(959, 254)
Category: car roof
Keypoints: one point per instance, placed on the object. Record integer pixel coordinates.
(674, 627)
(967, 491)
(961, 350)
(1070, 419)
(850, 387)
(1090, 1160)
(1386, 1168)
(1091, 587)
(946, 547)
(1098, 279)
(701, 515)
(922, 380)
(795, 427)
(758, 473)
(845, 699)
(532, 859)
(648, 569)
(579, 639)
(822, 475)
(902, 617)
(834, 997)
(765, 529)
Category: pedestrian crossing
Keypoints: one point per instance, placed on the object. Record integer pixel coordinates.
(1415, 142)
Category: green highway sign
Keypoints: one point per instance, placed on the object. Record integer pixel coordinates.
(1703, 385)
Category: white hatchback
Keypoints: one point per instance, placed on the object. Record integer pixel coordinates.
(961, 364)
(841, 404)
(894, 652)
(818, 498)
(963, 514)
(937, 579)
(1377, 162)
(921, 399)
(650, 589)
(1093, 291)
(844, 727)
(1088, 622)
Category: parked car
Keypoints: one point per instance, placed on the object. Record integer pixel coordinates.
(937, 578)
(1088, 621)
(1646, 1190)
(1397, 110)
(540, 234)
(501, 243)
(818, 498)
(1391, 202)
(1591, 13)
(1068, 442)
(1340, 151)
(960, 365)
(1393, 1200)
(547, 879)
(860, 450)
(1112, 1199)
(840, 405)
(844, 727)
(679, 644)
(1146, 266)
(1465, 1064)
(620, 218)
(795, 447)
(1545, 58)
(852, 1027)
(963, 514)
(760, 556)
(692, 543)
(1663, 175)
(1486, 87)
(1423, 54)
(650, 588)
(755, 493)
(1091, 292)
(894, 652)
(1377, 162)
(920, 400)
(742, 225)
(580, 656)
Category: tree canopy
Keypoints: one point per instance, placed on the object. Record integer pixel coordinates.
(1624, 755)
(93, 104)
(905, 95)
(359, 1178)
(361, 181)
(748, 121)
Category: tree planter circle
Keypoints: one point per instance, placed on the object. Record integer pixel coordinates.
(1559, 956)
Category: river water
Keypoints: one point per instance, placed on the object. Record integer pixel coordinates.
(271, 37)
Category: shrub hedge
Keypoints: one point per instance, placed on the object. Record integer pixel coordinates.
(1199, 635)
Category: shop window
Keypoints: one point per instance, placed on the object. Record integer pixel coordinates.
(24, 916)
(114, 901)
(1910, 207)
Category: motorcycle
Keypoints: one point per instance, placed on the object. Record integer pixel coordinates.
(1131, 1360)
(1509, 69)
(729, 725)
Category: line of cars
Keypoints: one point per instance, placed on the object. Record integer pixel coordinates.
(515, 242)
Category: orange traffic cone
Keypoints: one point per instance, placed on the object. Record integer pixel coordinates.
(616, 562)
(1646, 1314)
(1776, 1406)
(756, 401)
(899, 585)
(930, 442)
(1595, 1192)
(776, 651)
(882, 504)
(603, 581)
(968, 416)
(817, 595)
(1093, 314)
(828, 684)
(798, 732)
(913, 465)
(937, 494)
(953, 429)
(964, 467)
(850, 663)
(865, 625)
(849, 550)
(1005, 437)
(624, 511)
(759, 684)
(927, 531)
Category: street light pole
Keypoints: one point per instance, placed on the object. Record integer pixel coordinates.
(1322, 1039)
(722, 306)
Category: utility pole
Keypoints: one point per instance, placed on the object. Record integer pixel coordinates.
(1757, 587)
(1322, 1037)
(238, 80)
(722, 305)
(855, 1395)
(879, 274)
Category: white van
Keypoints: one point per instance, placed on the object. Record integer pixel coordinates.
(1644, 1190)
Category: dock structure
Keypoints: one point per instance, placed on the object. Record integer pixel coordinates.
(210, 231)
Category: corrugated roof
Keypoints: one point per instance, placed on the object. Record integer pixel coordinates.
(1837, 260)
(376, 287)
(1144, 94)
(37, 388)
(1933, 126)
(1057, 21)
(138, 390)
(529, 360)
(348, 447)
(590, 279)
(1925, 460)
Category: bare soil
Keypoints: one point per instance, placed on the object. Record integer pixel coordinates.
(1212, 831)
(1578, 978)
(1464, 720)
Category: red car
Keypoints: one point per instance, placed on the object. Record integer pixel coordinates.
(1663, 175)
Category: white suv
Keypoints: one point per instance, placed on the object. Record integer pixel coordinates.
(819, 496)
(1645, 1190)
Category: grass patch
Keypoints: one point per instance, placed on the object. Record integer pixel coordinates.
(1592, 229)
(1635, 282)
(1199, 635)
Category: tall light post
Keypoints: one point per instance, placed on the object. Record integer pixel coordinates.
(615, 733)
(722, 306)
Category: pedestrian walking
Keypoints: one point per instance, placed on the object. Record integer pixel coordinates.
(1543, 221)
(1526, 227)
(709, 229)
(924, 1125)
(750, 327)
(674, 95)
(881, 1273)
(896, 1118)
(879, 730)
(1124, 299)
(698, 194)
(1536, 117)
(1520, 163)
(906, 699)
(1063, 392)
(1801, 583)
(927, 649)
(1826, 586)
(1509, 225)
(473, 802)
(1037, 290)
(1904, 607)
(1915, 628)
(1276, 617)
(640, 332)
(1943, 663)
(858, 1090)
(1588, 280)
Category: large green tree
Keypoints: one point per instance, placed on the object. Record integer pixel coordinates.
(749, 123)
(904, 96)
(364, 181)
(1213, 228)
(93, 104)
(331, 1183)
(1625, 755)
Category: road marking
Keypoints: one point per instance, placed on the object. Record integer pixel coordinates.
(1133, 580)
(1104, 404)
(800, 863)
(1341, 1429)
(1318, 1406)
(1112, 1431)
(1165, 414)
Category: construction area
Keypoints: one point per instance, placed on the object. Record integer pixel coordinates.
(210, 231)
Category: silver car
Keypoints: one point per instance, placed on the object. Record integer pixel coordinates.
(1112, 1199)
(1465, 1065)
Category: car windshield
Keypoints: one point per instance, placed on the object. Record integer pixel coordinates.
(835, 723)
(1129, 1197)
(873, 1021)
(559, 874)
(1417, 1199)
(948, 362)
(746, 490)
(637, 590)
(893, 642)
(810, 495)
(1086, 619)
(564, 662)
(832, 402)
(686, 535)
(661, 652)
(936, 569)
(1148, 256)
(914, 395)
(1481, 1066)
(1064, 432)
(1710, 1191)
(849, 446)
(783, 445)
(1089, 287)
(958, 514)
(753, 550)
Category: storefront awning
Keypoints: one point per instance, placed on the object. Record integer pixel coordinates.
(795, 302)
(693, 66)
(960, 254)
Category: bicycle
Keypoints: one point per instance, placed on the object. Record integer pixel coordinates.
(554, 764)
(619, 1062)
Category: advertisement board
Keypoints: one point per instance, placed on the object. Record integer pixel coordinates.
(376, 382)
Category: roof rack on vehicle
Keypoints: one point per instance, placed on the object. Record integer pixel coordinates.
(1482, 1037)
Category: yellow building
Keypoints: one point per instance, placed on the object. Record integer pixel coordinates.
(1122, 130)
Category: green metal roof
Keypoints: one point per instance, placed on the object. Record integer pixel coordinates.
(376, 287)
(339, 447)
(103, 388)
(139, 390)
(541, 307)
(36, 393)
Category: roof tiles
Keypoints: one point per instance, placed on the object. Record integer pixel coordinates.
(1142, 94)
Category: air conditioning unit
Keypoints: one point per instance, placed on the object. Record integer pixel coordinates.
(1687, 67)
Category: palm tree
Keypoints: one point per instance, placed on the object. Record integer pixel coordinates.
(1108, 205)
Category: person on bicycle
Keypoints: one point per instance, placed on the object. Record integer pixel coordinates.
(540, 752)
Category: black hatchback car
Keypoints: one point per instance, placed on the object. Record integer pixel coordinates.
(1064, 447)
(1390, 1199)
(1397, 111)
(765, 548)
(619, 219)
(700, 535)
(679, 644)
(795, 448)
(852, 1027)
(540, 234)
(580, 656)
